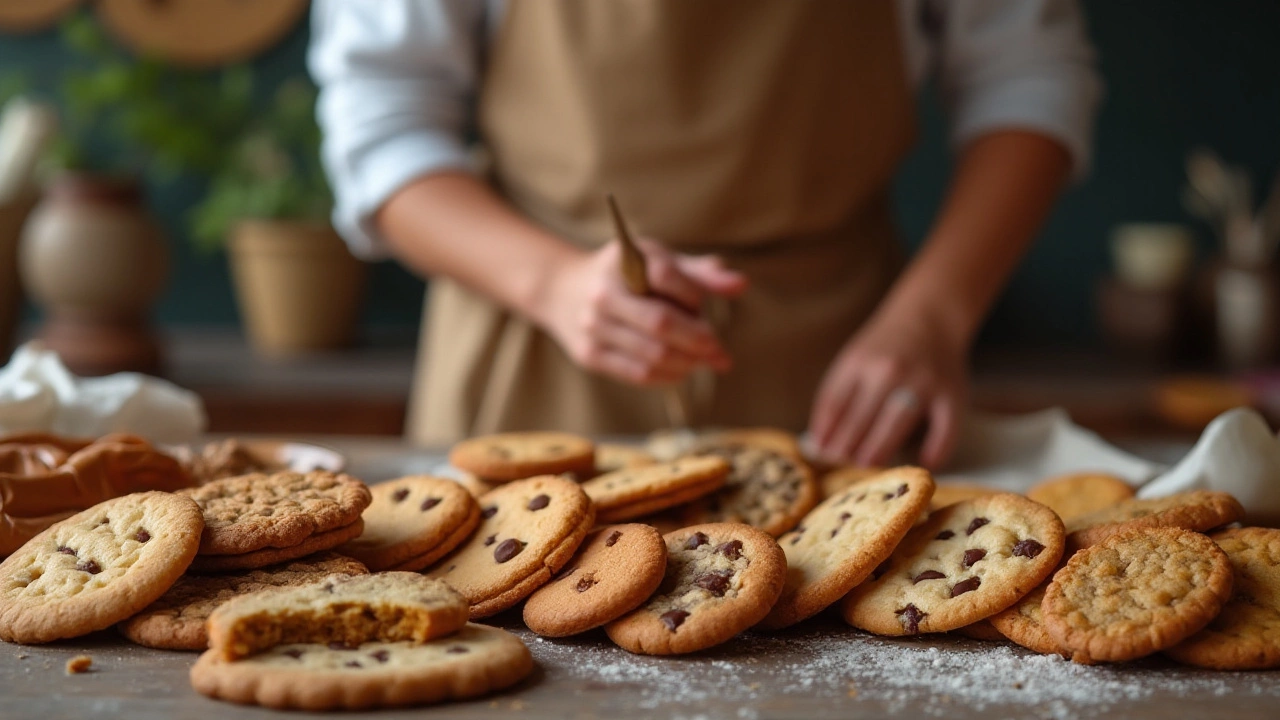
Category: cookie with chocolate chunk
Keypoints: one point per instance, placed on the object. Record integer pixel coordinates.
(721, 579)
(1136, 593)
(528, 530)
(841, 541)
(635, 492)
(617, 568)
(505, 457)
(967, 562)
(413, 522)
(1080, 493)
(765, 489)
(1198, 510)
(950, 493)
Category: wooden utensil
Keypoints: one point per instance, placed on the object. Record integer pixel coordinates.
(635, 275)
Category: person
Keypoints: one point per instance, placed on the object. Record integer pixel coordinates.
(752, 143)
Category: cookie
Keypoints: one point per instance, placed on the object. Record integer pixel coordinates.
(765, 489)
(177, 620)
(274, 556)
(413, 522)
(779, 441)
(1135, 593)
(97, 567)
(841, 541)
(475, 661)
(346, 609)
(950, 493)
(617, 568)
(612, 456)
(835, 481)
(721, 579)
(528, 531)
(1198, 510)
(631, 493)
(513, 456)
(1246, 633)
(253, 512)
(1023, 624)
(967, 562)
(1072, 496)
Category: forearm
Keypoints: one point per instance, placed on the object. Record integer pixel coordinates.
(453, 224)
(1003, 188)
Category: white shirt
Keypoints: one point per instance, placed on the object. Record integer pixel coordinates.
(398, 84)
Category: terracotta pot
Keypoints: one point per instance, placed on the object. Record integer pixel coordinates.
(12, 216)
(94, 259)
(298, 286)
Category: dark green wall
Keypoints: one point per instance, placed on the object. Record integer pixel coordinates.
(1179, 73)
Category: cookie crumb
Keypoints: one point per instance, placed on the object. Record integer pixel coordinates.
(23, 656)
(79, 664)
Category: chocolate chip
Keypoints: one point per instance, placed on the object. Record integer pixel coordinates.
(294, 653)
(927, 575)
(89, 566)
(731, 549)
(796, 538)
(843, 517)
(539, 502)
(715, 583)
(328, 587)
(489, 512)
(613, 538)
(965, 586)
(66, 550)
(380, 655)
(400, 495)
(902, 490)
(584, 584)
(673, 618)
(944, 535)
(910, 617)
(369, 614)
(861, 497)
(507, 549)
(973, 556)
(457, 649)
(340, 646)
(977, 523)
(142, 536)
(430, 503)
(490, 540)
(352, 664)
(1028, 548)
(696, 540)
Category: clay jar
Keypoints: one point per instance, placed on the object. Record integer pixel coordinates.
(94, 259)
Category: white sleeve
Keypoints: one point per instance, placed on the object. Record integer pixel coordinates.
(1017, 64)
(397, 85)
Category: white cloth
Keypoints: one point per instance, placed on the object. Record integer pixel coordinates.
(398, 83)
(39, 394)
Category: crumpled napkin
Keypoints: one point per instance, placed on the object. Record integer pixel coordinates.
(38, 393)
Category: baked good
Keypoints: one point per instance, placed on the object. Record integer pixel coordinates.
(765, 489)
(835, 481)
(721, 579)
(1023, 624)
(617, 568)
(1079, 494)
(413, 522)
(981, 630)
(613, 456)
(1135, 593)
(950, 493)
(274, 556)
(512, 456)
(635, 492)
(1198, 510)
(97, 567)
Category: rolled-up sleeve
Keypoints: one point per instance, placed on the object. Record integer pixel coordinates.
(1024, 64)
(397, 84)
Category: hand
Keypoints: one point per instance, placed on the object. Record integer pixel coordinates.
(640, 340)
(895, 374)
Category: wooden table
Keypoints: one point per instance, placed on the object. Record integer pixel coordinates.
(824, 669)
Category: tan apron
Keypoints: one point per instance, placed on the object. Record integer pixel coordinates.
(765, 131)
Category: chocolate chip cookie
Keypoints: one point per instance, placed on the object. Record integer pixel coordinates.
(1024, 624)
(1198, 510)
(528, 531)
(765, 489)
(97, 567)
(635, 492)
(721, 579)
(617, 568)
(274, 556)
(612, 456)
(1135, 593)
(967, 562)
(841, 541)
(513, 456)
(950, 493)
(413, 522)
(1077, 494)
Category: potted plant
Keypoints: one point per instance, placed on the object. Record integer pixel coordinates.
(298, 287)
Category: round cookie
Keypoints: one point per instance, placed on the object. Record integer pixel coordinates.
(967, 562)
(512, 456)
(257, 511)
(274, 556)
(97, 567)
(1197, 510)
(177, 620)
(765, 489)
(721, 579)
(413, 522)
(528, 530)
(475, 661)
(1024, 624)
(1136, 593)
(835, 481)
(1072, 496)
(1245, 635)
(841, 541)
(950, 493)
(618, 567)
(779, 441)
(345, 609)
(634, 492)
(612, 456)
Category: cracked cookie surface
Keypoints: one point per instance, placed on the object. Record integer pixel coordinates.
(513, 456)
(1024, 624)
(1197, 510)
(633, 492)
(413, 522)
(765, 489)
